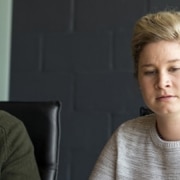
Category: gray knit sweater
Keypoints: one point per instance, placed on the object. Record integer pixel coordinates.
(136, 152)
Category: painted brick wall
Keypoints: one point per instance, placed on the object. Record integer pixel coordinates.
(79, 52)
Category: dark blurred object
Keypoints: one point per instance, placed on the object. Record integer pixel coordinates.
(144, 111)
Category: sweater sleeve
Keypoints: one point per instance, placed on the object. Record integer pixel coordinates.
(18, 161)
(105, 167)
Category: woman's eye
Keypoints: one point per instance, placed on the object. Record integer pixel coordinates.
(173, 69)
(150, 72)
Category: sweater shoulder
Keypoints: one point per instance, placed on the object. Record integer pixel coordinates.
(138, 125)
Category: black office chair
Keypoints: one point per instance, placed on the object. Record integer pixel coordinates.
(42, 121)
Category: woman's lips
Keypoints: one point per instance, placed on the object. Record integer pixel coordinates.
(165, 97)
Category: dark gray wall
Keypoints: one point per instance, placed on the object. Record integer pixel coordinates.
(78, 51)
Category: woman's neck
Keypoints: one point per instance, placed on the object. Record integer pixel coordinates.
(169, 128)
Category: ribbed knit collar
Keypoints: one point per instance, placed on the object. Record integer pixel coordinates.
(158, 141)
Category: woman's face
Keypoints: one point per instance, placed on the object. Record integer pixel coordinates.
(159, 76)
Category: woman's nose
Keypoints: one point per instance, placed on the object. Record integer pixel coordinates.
(163, 80)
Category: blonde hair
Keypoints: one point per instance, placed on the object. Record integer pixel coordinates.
(153, 27)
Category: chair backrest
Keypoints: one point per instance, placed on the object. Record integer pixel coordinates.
(42, 121)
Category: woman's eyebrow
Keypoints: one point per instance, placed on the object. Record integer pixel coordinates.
(147, 65)
(169, 61)
(173, 60)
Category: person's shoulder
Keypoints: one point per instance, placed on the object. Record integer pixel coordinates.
(9, 121)
(140, 121)
(138, 124)
(13, 131)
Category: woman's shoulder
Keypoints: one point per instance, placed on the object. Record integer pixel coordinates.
(144, 121)
(137, 125)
